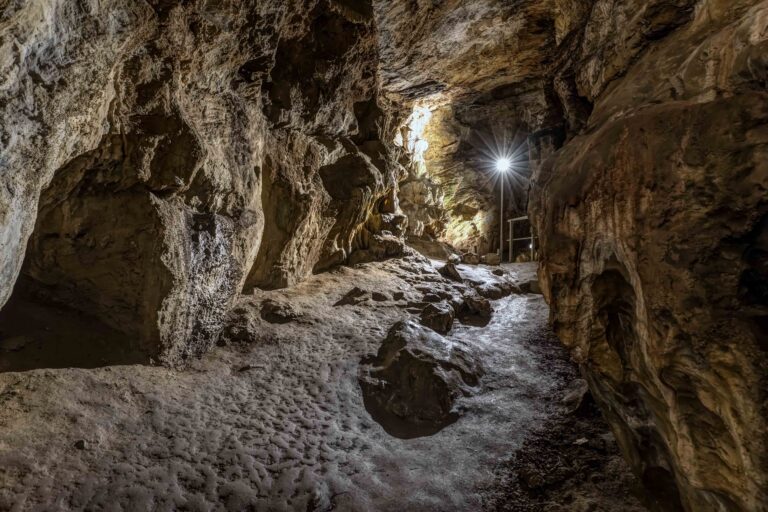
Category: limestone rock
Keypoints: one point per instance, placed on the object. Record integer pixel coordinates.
(475, 308)
(470, 258)
(412, 384)
(158, 157)
(450, 271)
(277, 312)
(653, 231)
(492, 258)
(438, 317)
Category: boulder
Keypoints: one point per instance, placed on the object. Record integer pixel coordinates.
(475, 309)
(413, 383)
(438, 317)
(470, 258)
(450, 271)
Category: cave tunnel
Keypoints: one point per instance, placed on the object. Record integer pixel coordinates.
(379, 255)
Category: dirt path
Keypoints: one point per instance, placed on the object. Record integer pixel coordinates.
(278, 423)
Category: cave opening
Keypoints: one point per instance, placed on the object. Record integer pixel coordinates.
(38, 332)
(74, 303)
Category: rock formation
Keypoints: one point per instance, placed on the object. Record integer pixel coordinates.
(159, 157)
(645, 124)
(412, 384)
(653, 225)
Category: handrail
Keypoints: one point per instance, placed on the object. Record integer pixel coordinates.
(512, 238)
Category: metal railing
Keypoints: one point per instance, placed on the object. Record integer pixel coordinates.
(531, 239)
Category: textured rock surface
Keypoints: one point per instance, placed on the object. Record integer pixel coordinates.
(161, 155)
(210, 437)
(653, 228)
(438, 317)
(646, 133)
(412, 384)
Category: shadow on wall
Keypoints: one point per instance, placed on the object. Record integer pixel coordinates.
(35, 333)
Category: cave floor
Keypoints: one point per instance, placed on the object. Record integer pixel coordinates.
(278, 423)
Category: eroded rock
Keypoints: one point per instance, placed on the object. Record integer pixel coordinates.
(277, 312)
(438, 317)
(412, 385)
(450, 271)
(149, 148)
(651, 225)
(475, 309)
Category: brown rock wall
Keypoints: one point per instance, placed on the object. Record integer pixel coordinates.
(652, 224)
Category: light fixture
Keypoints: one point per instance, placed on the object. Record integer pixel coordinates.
(503, 164)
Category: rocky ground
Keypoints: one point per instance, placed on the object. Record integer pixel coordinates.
(274, 418)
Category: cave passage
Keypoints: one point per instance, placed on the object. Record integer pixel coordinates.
(384, 255)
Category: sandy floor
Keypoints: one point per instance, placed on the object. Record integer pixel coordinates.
(277, 423)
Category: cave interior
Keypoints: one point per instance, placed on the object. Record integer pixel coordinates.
(434, 255)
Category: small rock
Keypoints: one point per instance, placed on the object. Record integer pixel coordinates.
(438, 317)
(470, 258)
(454, 258)
(450, 271)
(531, 287)
(492, 258)
(277, 313)
(574, 395)
(498, 272)
(490, 291)
(477, 305)
(379, 297)
(352, 297)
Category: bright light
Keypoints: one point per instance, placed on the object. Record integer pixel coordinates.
(503, 164)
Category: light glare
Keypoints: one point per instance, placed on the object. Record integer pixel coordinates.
(503, 164)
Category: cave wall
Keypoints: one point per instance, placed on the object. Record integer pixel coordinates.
(653, 226)
(158, 157)
(646, 136)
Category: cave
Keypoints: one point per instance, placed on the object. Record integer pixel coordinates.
(384, 255)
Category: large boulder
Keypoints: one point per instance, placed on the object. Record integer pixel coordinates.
(412, 384)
